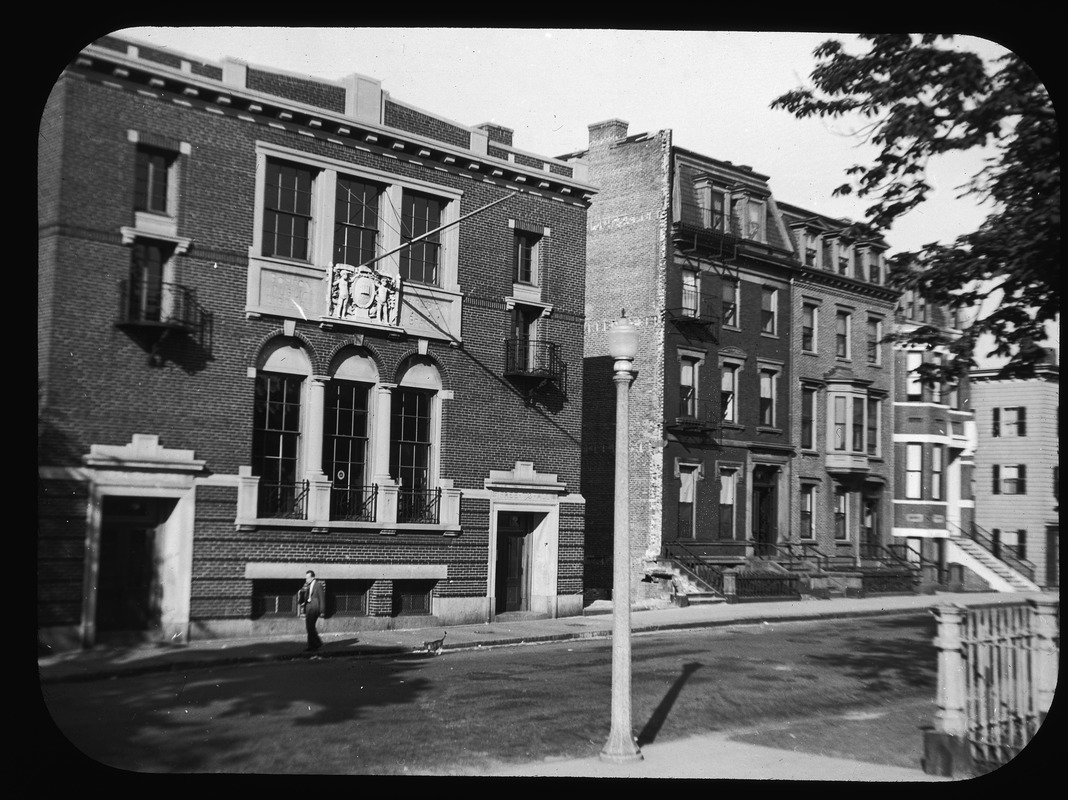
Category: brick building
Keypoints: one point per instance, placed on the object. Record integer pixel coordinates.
(762, 420)
(695, 252)
(286, 324)
(843, 389)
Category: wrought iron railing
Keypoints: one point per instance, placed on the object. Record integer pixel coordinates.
(422, 506)
(751, 585)
(169, 305)
(705, 574)
(354, 503)
(996, 548)
(532, 357)
(283, 500)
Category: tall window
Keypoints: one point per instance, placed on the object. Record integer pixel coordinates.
(689, 293)
(409, 451)
(913, 382)
(842, 322)
(812, 248)
(276, 440)
(355, 221)
(145, 299)
(687, 501)
(845, 261)
(809, 315)
(729, 392)
(839, 422)
(858, 424)
(808, 506)
(841, 514)
(713, 205)
(995, 422)
(688, 387)
(1016, 421)
(754, 228)
(768, 380)
(345, 446)
(287, 212)
(728, 486)
(1009, 479)
(937, 455)
(524, 257)
(913, 471)
(420, 214)
(873, 426)
(875, 273)
(808, 418)
(152, 180)
(730, 303)
(875, 334)
(769, 306)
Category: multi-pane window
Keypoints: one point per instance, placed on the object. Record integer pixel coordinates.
(713, 205)
(841, 514)
(275, 441)
(730, 303)
(1009, 479)
(524, 257)
(728, 489)
(152, 180)
(348, 598)
(873, 426)
(808, 418)
(411, 597)
(355, 221)
(842, 323)
(768, 381)
(287, 210)
(812, 248)
(409, 452)
(937, 467)
(690, 293)
(273, 598)
(728, 393)
(913, 471)
(420, 215)
(1016, 421)
(769, 305)
(875, 334)
(808, 506)
(875, 272)
(913, 381)
(345, 432)
(809, 317)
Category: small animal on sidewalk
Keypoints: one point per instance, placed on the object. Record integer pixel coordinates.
(434, 646)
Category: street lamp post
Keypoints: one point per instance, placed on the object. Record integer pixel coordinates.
(621, 747)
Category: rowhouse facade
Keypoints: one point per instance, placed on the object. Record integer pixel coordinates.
(290, 324)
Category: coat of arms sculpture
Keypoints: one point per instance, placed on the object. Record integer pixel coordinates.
(362, 294)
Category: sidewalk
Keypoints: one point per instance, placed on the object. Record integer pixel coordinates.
(681, 759)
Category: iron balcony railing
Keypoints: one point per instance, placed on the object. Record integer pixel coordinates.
(422, 506)
(532, 357)
(283, 500)
(167, 305)
(693, 413)
(354, 503)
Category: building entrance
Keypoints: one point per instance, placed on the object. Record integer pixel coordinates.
(126, 594)
(765, 511)
(512, 589)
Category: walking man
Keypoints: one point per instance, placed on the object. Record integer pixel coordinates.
(314, 600)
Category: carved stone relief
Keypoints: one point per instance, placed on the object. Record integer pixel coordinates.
(362, 294)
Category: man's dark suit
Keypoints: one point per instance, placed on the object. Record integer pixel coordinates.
(316, 603)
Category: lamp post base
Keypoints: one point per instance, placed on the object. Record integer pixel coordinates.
(620, 749)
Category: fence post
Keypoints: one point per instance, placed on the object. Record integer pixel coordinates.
(1046, 655)
(730, 586)
(946, 750)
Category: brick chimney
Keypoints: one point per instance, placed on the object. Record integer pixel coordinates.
(604, 133)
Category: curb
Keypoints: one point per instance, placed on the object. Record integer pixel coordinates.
(214, 660)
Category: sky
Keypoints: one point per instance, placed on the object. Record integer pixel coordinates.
(713, 89)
